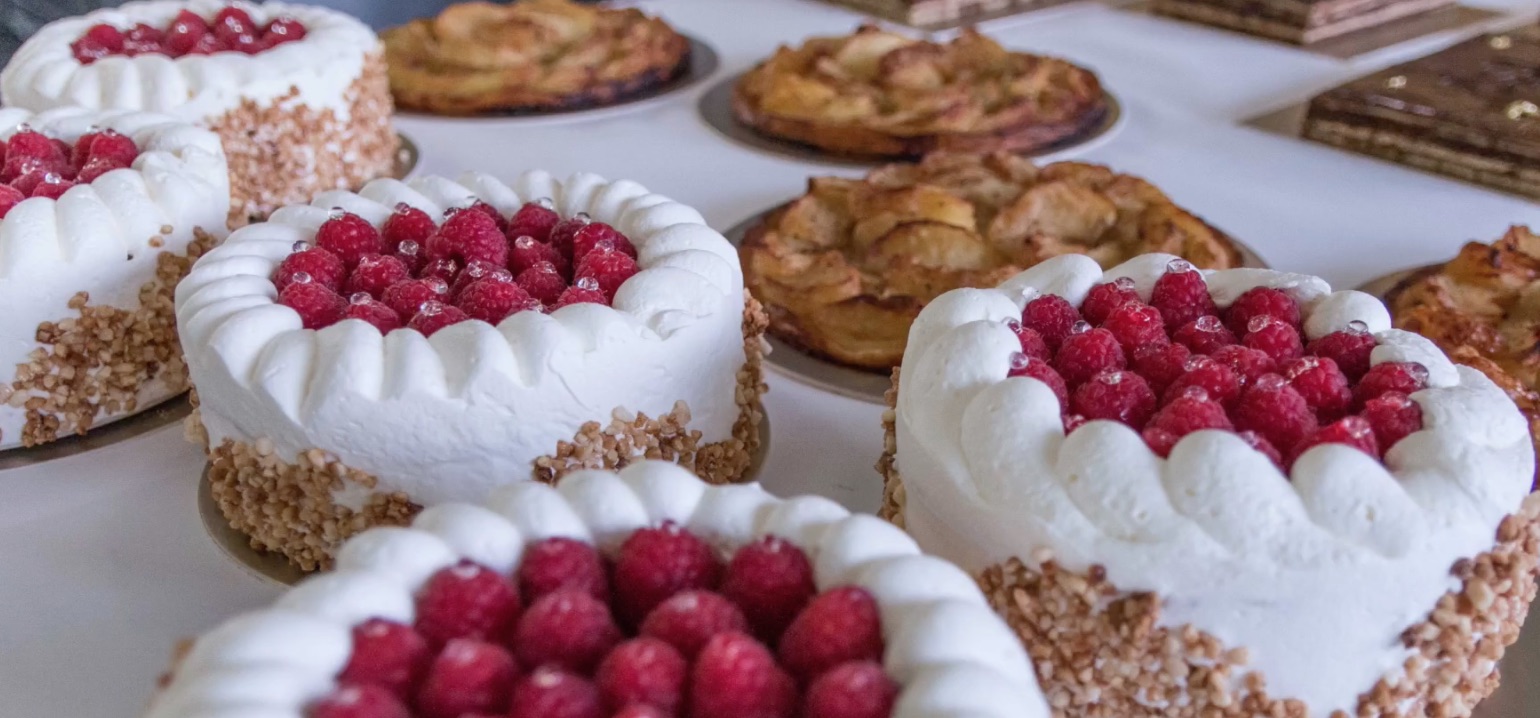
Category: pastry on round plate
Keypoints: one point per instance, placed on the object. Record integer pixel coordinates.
(879, 94)
(646, 594)
(845, 268)
(530, 56)
(1223, 494)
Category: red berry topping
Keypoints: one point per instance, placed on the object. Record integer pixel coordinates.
(1277, 412)
(1136, 325)
(609, 267)
(1032, 343)
(1322, 384)
(1052, 317)
(1248, 363)
(1087, 352)
(28, 183)
(543, 282)
(737, 677)
(1160, 364)
(373, 311)
(583, 291)
(351, 701)
(596, 234)
(655, 563)
(689, 619)
(494, 299)
(9, 197)
(1213, 377)
(142, 39)
(282, 30)
(473, 272)
(1204, 335)
(52, 187)
(1103, 298)
(550, 692)
(31, 144)
(1353, 431)
(1181, 295)
(407, 224)
(408, 296)
(466, 600)
(557, 563)
(434, 316)
(98, 42)
(94, 169)
(232, 24)
(1191, 411)
(772, 581)
(567, 628)
(837, 626)
(184, 33)
(1350, 349)
(1160, 441)
(643, 670)
(1274, 338)
(637, 710)
(528, 252)
(317, 304)
(1393, 416)
(468, 676)
(1400, 377)
(1255, 441)
(445, 269)
(1072, 422)
(106, 145)
(1041, 371)
(1258, 302)
(564, 232)
(373, 274)
(533, 220)
(350, 237)
(387, 654)
(1115, 395)
(469, 235)
(851, 690)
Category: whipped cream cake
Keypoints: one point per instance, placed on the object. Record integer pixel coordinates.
(369, 354)
(101, 214)
(1225, 493)
(297, 93)
(638, 595)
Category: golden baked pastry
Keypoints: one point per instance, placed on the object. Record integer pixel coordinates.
(531, 55)
(876, 93)
(844, 269)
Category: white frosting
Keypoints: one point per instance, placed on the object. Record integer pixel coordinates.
(452, 417)
(320, 67)
(953, 657)
(1317, 576)
(104, 237)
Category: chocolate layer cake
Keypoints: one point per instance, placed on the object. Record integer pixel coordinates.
(1469, 112)
(1296, 21)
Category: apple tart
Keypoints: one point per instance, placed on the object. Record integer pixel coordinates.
(844, 269)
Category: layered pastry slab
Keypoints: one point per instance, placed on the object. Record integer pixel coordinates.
(1297, 21)
(844, 269)
(101, 214)
(297, 93)
(1228, 493)
(645, 594)
(367, 355)
(1468, 112)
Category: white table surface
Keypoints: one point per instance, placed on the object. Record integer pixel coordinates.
(103, 561)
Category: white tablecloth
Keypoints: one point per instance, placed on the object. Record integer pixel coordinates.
(103, 561)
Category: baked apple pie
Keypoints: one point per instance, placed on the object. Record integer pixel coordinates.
(880, 94)
(531, 55)
(845, 268)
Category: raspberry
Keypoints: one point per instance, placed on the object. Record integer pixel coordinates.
(689, 619)
(469, 676)
(543, 282)
(232, 23)
(492, 300)
(106, 144)
(469, 235)
(1032, 344)
(567, 628)
(1261, 301)
(565, 231)
(858, 689)
(1043, 372)
(1181, 295)
(594, 234)
(771, 580)
(351, 701)
(1072, 422)
(1115, 395)
(1087, 352)
(1136, 325)
(1160, 365)
(1249, 364)
(31, 144)
(1393, 417)
(475, 271)
(528, 252)
(1322, 384)
(318, 306)
(410, 253)
(558, 563)
(466, 600)
(94, 169)
(387, 654)
(1216, 379)
(1350, 349)
(374, 274)
(282, 30)
(1353, 431)
(655, 563)
(407, 224)
(583, 291)
(435, 315)
(1255, 441)
(445, 269)
(184, 33)
(9, 197)
(553, 693)
(1191, 411)
(1051, 316)
(637, 710)
(533, 220)
(1400, 377)
(98, 42)
(29, 182)
(1275, 338)
(837, 626)
(52, 187)
(1103, 298)
(1275, 411)
(1204, 335)
(1160, 440)
(609, 267)
(372, 311)
(486, 209)
(350, 237)
(142, 39)
(643, 670)
(206, 45)
(409, 295)
(737, 677)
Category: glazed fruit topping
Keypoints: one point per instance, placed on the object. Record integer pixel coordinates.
(231, 30)
(417, 273)
(1180, 364)
(664, 628)
(35, 165)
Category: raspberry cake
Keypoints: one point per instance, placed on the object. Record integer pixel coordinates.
(101, 214)
(297, 93)
(370, 354)
(1260, 499)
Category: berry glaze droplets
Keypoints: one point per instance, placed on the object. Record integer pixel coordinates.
(1180, 364)
(472, 264)
(560, 638)
(231, 30)
(35, 165)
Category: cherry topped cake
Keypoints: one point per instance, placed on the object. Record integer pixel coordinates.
(101, 214)
(1223, 493)
(297, 93)
(647, 594)
(370, 354)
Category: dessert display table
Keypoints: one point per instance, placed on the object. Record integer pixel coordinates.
(105, 562)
